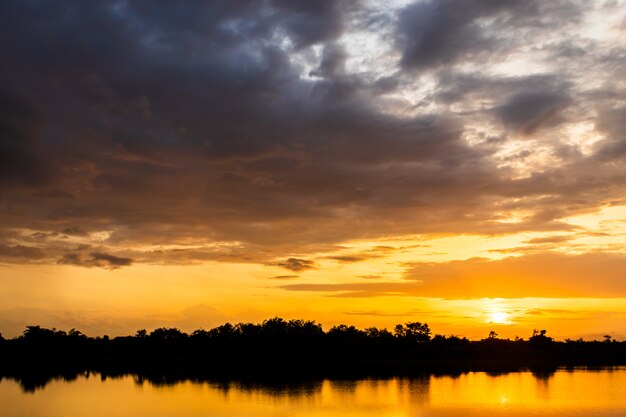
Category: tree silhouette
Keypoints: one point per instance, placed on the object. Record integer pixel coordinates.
(539, 338)
(413, 332)
(294, 347)
(167, 334)
(76, 334)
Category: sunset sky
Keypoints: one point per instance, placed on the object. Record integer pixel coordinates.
(455, 162)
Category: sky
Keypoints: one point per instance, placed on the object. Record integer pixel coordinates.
(183, 164)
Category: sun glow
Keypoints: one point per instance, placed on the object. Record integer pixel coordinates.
(499, 317)
(496, 312)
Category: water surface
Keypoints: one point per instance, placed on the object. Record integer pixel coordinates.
(562, 393)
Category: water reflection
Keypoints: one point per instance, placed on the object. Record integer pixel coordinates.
(542, 379)
(547, 393)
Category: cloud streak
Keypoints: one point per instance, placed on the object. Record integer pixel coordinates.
(533, 275)
(95, 259)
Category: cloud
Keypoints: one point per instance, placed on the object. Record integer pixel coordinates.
(527, 112)
(349, 258)
(281, 277)
(371, 276)
(432, 33)
(17, 252)
(95, 259)
(296, 264)
(534, 275)
(612, 121)
(358, 290)
(378, 313)
(242, 131)
(21, 157)
(309, 22)
(549, 239)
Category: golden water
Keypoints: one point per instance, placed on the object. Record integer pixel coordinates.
(564, 393)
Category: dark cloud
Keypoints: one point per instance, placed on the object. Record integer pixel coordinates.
(372, 253)
(73, 231)
(446, 32)
(21, 157)
(282, 277)
(433, 33)
(349, 258)
(527, 112)
(45, 236)
(333, 61)
(296, 264)
(309, 21)
(612, 122)
(255, 129)
(95, 259)
(20, 252)
(198, 254)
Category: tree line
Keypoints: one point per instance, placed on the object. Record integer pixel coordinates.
(293, 347)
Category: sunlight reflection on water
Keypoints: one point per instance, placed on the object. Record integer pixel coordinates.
(563, 393)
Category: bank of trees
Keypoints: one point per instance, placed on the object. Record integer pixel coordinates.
(296, 347)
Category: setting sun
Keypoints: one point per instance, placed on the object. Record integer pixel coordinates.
(499, 317)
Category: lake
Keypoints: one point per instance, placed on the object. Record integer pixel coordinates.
(562, 393)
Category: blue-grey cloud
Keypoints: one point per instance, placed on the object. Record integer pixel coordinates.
(265, 124)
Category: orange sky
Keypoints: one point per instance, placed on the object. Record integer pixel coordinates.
(364, 162)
